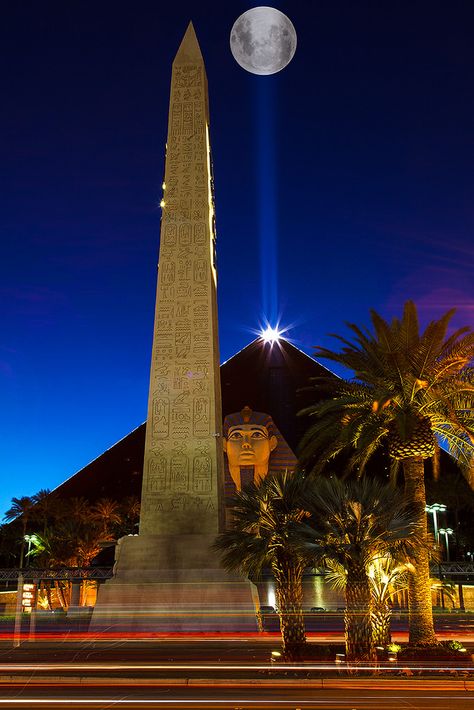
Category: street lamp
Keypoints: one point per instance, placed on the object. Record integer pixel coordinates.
(434, 509)
(446, 532)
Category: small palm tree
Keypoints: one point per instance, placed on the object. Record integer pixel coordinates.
(410, 390)
(264, 515)
(387, 577)
(351, 524)
(21, 509)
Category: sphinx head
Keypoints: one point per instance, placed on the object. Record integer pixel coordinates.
(248, 443)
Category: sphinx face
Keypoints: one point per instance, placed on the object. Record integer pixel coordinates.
(249, 445)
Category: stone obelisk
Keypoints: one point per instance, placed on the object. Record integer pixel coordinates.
(167, 577)
(183, 468)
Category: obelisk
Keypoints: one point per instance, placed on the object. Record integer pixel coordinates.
(167, 577)
(183, 467)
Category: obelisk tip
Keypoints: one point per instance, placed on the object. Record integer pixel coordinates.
(189, 51)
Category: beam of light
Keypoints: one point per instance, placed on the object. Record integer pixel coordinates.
(134, 702)
(267, 195)
(212, 666)
(271, 335)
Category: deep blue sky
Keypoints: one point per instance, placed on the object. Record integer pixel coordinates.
(370, 132)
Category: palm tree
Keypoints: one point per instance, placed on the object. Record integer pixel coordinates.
(130, 508)
(77, 508)
(387, 577)
(106, 513)
(21, 509)
(264, 515)
(410, 391)
(55, 547)
(351, 524)
(71, 542)
(45, 507)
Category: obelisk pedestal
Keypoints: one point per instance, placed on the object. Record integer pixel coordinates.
(168, 577)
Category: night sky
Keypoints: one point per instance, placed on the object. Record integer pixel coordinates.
(351, 172)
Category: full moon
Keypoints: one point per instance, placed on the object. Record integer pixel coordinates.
(263, 40)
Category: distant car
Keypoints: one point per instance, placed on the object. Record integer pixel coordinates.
(341, 608)
(315, 609)
(267, 609)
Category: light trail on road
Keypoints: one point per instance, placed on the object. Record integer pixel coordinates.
(237, 703)
(290, 667)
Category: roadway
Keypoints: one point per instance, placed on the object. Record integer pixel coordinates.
(126, 698)
(74, 670)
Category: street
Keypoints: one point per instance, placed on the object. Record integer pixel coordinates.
(232, 698)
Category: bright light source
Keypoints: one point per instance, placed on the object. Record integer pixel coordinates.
(270, 335)
(162, 203)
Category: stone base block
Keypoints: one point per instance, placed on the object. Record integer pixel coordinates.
(172, 584)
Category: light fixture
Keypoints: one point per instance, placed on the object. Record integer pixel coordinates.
(434, 509)
(446, 532)
(270, 335)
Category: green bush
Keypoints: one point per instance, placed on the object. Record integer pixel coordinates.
(440, 652)
(394, 648)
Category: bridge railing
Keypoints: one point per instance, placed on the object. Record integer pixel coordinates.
(453, 570)
(60, 573)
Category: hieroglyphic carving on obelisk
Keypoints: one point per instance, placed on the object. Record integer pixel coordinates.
(183, 466)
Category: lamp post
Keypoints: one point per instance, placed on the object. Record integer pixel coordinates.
(434, 509)
(19, 600)
(446, 532)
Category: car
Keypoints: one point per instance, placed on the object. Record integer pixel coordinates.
(267, 609)
(315, 609)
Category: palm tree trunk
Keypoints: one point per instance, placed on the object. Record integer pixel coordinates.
(419, 585)
(60, 595)
(47, 589)
(381, 618)
(289, 597)
(359, 643)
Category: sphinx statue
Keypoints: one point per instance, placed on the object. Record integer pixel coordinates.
(254, 447)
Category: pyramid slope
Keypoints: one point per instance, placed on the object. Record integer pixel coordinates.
(266, 377)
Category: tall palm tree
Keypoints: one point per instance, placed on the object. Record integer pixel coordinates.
(264, 515)
(45, 507)
(352, 523)
(410, 390)
(21, 509)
